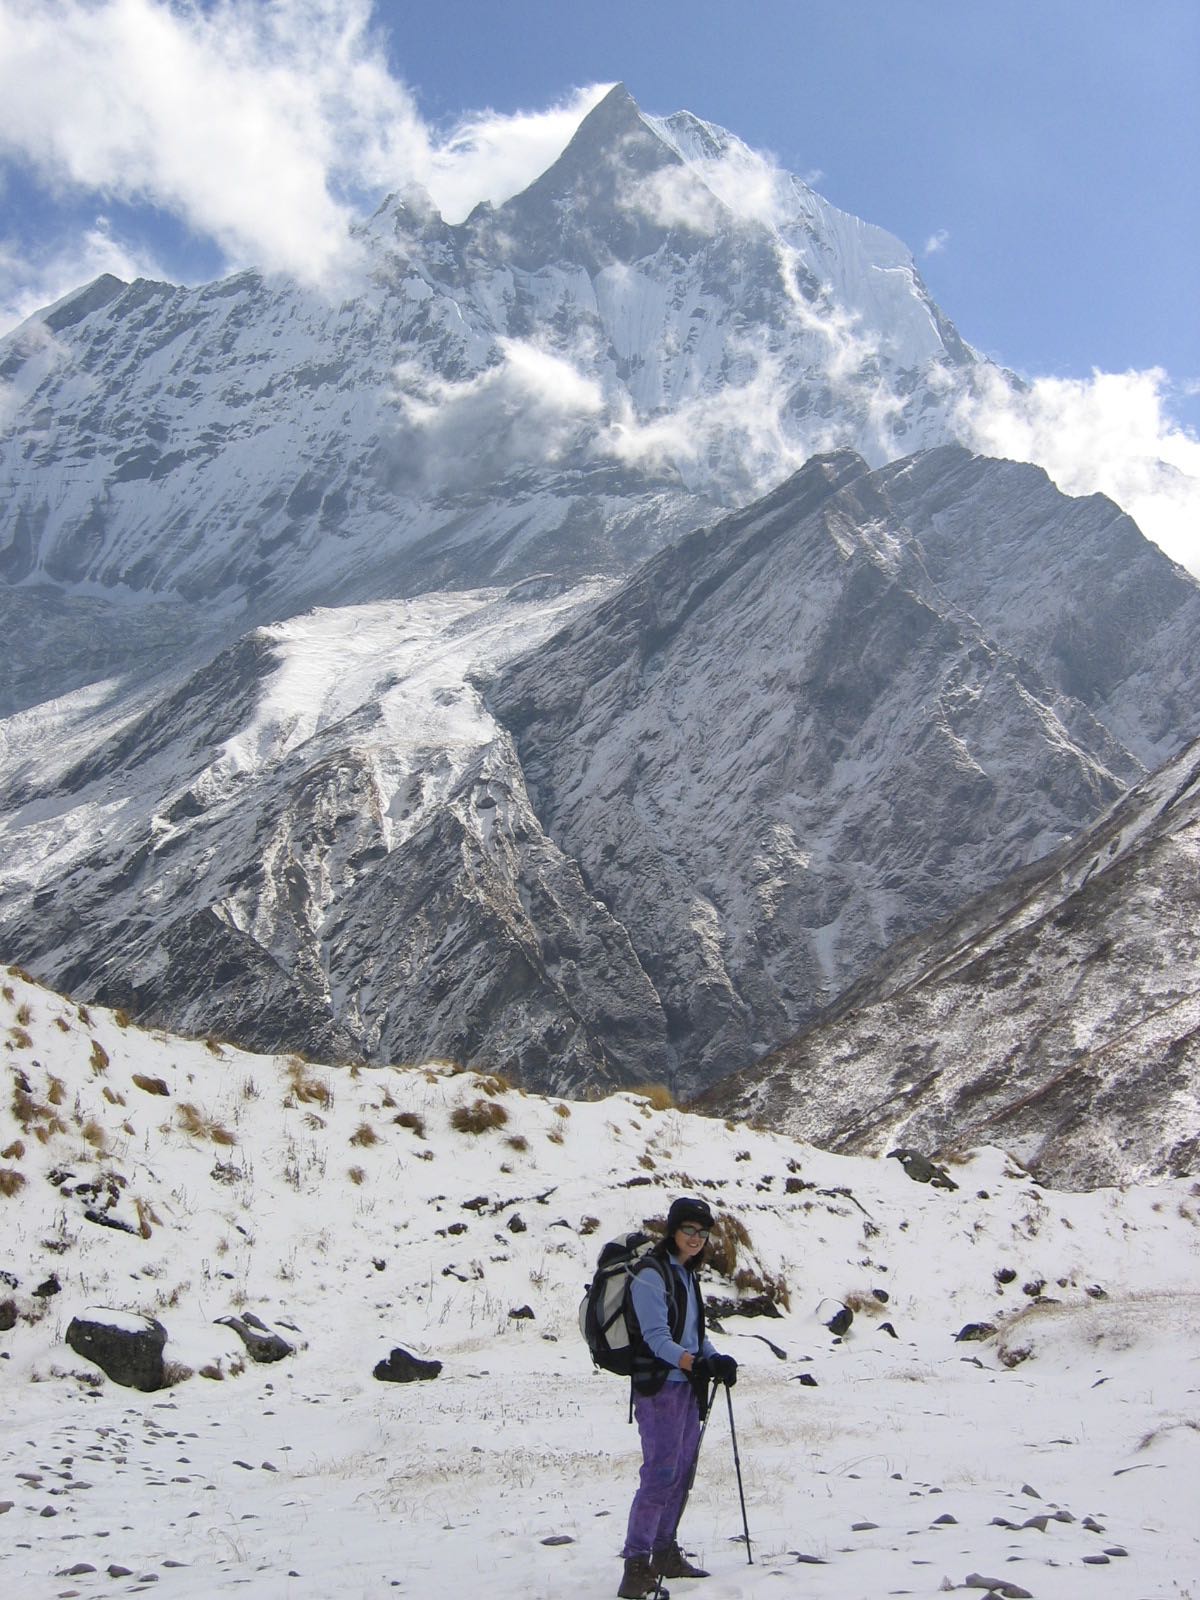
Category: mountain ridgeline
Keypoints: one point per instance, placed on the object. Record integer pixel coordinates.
(546, 658)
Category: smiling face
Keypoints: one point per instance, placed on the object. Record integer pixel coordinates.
(689, 1240)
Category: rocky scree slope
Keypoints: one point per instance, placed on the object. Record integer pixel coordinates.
(1058, 1014)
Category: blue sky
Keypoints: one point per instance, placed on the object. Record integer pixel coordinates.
(1038, 156)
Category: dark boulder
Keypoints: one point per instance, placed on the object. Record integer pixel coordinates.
(403, 1367)
(261, 1344)
(128, 1349)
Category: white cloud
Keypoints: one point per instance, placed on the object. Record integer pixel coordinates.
(937, 242)
(527, 410)
(260, 126)
(492, 157)
(702, 194)
(1108, 434)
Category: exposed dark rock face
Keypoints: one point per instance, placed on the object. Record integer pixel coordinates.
(1057, 1015)
(783, 745)
(131, 1355)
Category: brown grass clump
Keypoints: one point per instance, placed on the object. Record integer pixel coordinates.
(411, 1120)
(195, 1122)
(656, 1095)
(8, 993)
(57, 1091)
(479, 1117)
(364, 1135)
(95, 1135)
(11, 1182)
(13, 1152)
(561, 1110)
(150, 1085)
(62, 1024)
(111, 1095)
(728, 1237)
(518, 1142)
(21, 1039)
(146, 1216)
(24, 1014)
(555, 1136)
(775, 1289)
(494, 1083)
(121, 1017)
(304, 1087)
(213, 1046)
(99, 1058)
(357, 1175)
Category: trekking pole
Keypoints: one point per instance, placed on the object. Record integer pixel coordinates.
(712, 1395)
(737, 1464)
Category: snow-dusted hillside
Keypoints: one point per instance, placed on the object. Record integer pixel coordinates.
(345, 1210)
(1058, 1014)
(597, 834)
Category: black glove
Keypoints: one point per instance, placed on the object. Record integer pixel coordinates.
(700, 1377)
(723, 1369)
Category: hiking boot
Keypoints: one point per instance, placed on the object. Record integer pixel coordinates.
(639, 1580)
(672, 1563)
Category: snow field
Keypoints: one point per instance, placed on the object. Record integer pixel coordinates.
(251, 1186)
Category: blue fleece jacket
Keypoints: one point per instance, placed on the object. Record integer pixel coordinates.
(653, 1314)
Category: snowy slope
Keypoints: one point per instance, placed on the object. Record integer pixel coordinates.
(235, 1184)
(1059, 1013)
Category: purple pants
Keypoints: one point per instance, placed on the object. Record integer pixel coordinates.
(669, 1423)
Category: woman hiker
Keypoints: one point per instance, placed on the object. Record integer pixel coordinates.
(670, 1383)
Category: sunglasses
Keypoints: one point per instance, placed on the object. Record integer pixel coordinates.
(691, 1231)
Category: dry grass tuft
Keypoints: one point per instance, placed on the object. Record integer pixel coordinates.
(517, 1141)
(304, 1087)
(24, 1014)
(121, 1017)
(411, 1120)
(148, 1218)
(198, 1125)
(561, 1110)
(479, 1117)
(95, 1135)
(494, 1083)
(775, 1289)
(20, 1039)
(555, 1136)
(13, 1152)
(62, 1024)
(111, 1095)
(57, 1091)
(728, 1237)
(364, 1135)
(357, 1175)
(150, 1085)
(11, 1182)
(656, 1095)
(99, 1058)
(213, 1046)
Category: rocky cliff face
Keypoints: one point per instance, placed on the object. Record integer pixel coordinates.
(615, 834)
(798, 737)
(1058, 1014)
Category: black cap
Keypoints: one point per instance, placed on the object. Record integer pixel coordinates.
(688, 1209)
